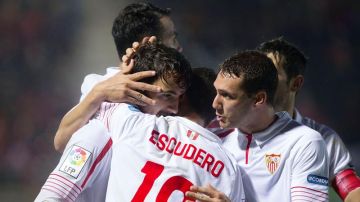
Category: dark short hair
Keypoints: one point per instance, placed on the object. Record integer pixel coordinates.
(136, 21)
(167, 62)
(201, 93)
(257, 70)
(294, 62)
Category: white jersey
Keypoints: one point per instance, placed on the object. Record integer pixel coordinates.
(159, 158)
(339, 156)
(91, 80)
(286, 162)
(83, 171)
(93, 140)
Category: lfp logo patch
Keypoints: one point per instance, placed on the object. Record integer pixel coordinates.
(75, 161)
(315, 179)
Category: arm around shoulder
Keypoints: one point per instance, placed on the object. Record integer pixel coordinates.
(77, 117)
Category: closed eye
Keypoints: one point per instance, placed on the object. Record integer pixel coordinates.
(167, 95)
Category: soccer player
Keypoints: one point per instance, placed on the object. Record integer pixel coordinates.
(181, 154)
(83, 170)
(133, 23)
(291, 63)
(280, 158)
(164, 156)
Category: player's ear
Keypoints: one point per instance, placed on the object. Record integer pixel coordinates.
(260, 98)
(296, 83)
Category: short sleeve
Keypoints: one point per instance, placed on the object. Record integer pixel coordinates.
(339, 155)
(89, 82)
(309, 179)
(84, 164)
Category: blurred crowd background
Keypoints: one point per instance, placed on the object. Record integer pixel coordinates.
(47, 47)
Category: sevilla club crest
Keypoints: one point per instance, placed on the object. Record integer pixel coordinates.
(272, 162)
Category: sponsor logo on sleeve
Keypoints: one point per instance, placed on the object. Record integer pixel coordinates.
(316, 179)
(272, 162)
(133, 108)
(75, 161)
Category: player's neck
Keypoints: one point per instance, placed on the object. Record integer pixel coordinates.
(195, 118)
(259, 122)
(289, 107)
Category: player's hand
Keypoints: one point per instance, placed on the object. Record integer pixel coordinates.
(126, 88)
(353, 196)
(129, 53)
(206, 194)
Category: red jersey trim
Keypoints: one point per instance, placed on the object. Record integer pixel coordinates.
(48, 183)
(249, 138)
(57, 191)
(66, 180)
(97, 161)
(309, 189)
(310, 193)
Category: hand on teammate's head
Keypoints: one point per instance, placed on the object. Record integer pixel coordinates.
(127, 88)
(129, 53)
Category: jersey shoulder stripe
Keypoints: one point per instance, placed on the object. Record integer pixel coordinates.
(103, 152)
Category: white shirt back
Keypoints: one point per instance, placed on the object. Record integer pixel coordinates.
(158, 158)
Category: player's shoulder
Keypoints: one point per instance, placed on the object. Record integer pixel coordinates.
(307, 133)
(204, 137)
(133, 118)
(93, 131)
(299, 132)
(325, 131)
(289, 128)
(124, 111)
(90, 80)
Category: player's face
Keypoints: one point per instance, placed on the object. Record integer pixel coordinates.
(282, 95)
(167, 101)
(231, 103)
(169, 36)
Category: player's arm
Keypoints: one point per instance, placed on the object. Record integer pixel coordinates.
(122, 87)
(347, 185)
(119, 88)
(353, 196)
(345, 181)
(310, 169)
(84, 164)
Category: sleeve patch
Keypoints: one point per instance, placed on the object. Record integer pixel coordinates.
(133, 108)
(315, 179)
(75, 161)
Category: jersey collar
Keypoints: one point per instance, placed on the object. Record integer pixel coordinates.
(276, 128)
(199, 129)
(298, 118)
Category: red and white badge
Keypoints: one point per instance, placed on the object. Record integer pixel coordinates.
(272, 162)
